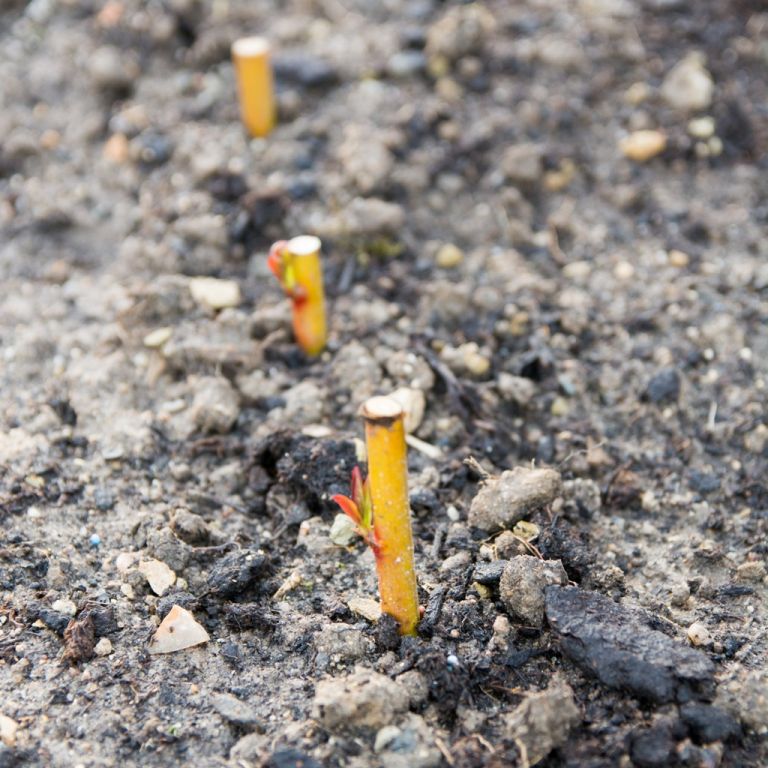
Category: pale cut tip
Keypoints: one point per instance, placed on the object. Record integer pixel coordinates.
(247, 47)
(304, 245)
(381, 408)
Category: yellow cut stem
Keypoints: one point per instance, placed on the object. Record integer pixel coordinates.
(388, 478)
(302, 258)
(254, 84)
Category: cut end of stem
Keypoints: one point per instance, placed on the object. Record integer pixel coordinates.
(304, 245)
(381, 410)
(248, 47)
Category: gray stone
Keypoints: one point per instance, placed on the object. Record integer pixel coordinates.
(163, 545)
(341, 643)
(216, 405)
(654, 747)
(502, 501)
(522, 164)
(410, 369)
(523, 583)
(236, 573)
(409, 744)
(458, 562)
(664, 387)
(235, 711)
(303, 404)
(260, 385)
(515, 389)
(620, 647)
(582, 496)
(489, 574)
(190, 527)
(542, 722)
(362, 700)
(688, 87)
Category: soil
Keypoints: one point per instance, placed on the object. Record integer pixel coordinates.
(486, 243)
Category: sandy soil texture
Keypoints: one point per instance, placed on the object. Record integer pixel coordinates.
(544, 222)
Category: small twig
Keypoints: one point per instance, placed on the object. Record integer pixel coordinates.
(712, 416)
(291, 582)
(475, 466)
(530, 547)
(437, 541)
(554, 246)
(444, 751)
(429, 450)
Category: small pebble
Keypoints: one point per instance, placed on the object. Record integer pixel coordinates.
(752, 571)
(103, 647)
(698, 634)
(664, 387)
(158, 575)
(642, 146)
(366, 607)
(516, 389)
(624, 271)
(95, 540)
(449, 256)
(678, 259)
(702, 127)
(637, 93)
(413, 404)
(343, 531)
(155, 339)
(214, 293)
(8, 728)
(178, 631)
(688, 86)
(65, 606)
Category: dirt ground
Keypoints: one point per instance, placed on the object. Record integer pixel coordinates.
(492, 242)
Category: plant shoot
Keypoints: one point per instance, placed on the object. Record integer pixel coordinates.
(296, 264)
(379, 508)
(255, 87)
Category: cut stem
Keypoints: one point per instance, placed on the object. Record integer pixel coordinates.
(255, 87)
(388, 478)
(297, 265)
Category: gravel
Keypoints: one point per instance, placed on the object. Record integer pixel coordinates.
(503, 501)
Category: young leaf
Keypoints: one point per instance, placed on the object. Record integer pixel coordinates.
(275, 259)
(348, 507)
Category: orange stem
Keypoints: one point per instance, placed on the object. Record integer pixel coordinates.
(255, 85)
(297, 265)
(388, 478)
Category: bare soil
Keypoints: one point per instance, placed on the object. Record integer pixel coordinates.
(631, 298)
